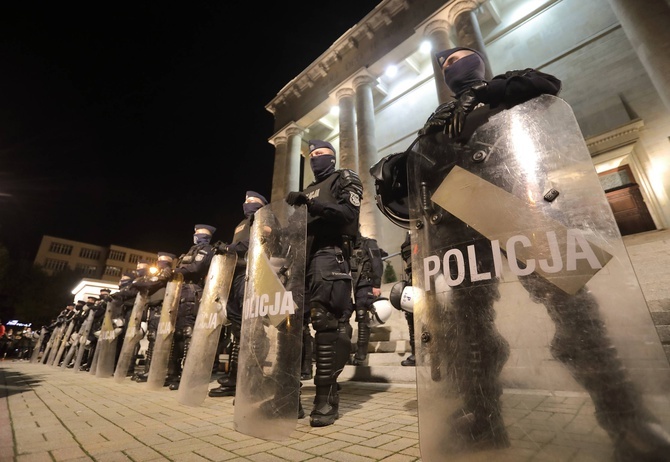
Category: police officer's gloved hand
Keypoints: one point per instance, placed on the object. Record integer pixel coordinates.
(465, 104)
(221, 248)
(439, 120)
(296, 198)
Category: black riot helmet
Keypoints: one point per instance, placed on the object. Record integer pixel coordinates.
(391, 191)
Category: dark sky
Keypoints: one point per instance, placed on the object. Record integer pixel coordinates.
(129, 123)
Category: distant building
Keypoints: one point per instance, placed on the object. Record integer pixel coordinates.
(91, 261)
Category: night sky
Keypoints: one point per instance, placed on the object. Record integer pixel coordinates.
(127, 124)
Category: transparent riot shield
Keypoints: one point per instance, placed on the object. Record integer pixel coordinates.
(63, 342)
(36, 351)
(132, 337)
(106, 348)
(83, 338)
(532, 331)
(165, 333)
(197, 371)
(52, 346)
(268, 378)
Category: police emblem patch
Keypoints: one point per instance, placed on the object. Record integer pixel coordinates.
(354, 199)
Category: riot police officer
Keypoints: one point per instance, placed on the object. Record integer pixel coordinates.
(98, 305)
(193, 266)
(367, 269)
(239, 245)
(154, 284)
(476, 350)
(333, 202)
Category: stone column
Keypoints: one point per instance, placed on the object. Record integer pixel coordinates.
(294, 156)
(437, 33)
(370, 225)
(467, 34)
(279, 168)
(647, 26)
(348, 153)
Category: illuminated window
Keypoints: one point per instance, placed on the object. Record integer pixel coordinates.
(59, 248)
(91, 254)
(117, 256)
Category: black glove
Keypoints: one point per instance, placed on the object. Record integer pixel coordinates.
(296, 198)
(449, 118)
(439, 120)
(466, 103)
(221, 248)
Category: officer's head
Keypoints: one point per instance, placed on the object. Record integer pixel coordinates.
(125, 280)
(90, 300)
(321, 158)
(165, 260)
(70, 306)
(252, 202)
(142, 267)
(462, 67)
(203, 234)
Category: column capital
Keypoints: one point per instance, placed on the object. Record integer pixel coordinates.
(344, 92)
(277, 140)
(294, 130)
(363, 79)
(462, 6)
(437, 25)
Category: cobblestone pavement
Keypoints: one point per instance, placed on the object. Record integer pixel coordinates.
(53, 414)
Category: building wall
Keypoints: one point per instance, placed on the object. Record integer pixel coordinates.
(621, 115)
(93, 261)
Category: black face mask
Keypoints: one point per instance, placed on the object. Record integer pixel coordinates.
(250, 208)
(201, 239)
(322, 166)
(464, 73)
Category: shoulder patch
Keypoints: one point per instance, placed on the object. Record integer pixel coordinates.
(354, 199)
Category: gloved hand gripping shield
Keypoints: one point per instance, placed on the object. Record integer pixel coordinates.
(512, 219)
(268, 377)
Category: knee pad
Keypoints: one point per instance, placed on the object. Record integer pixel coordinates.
(322, 320)
(361, 314)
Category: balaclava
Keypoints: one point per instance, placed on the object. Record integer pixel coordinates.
(250, 208)
(463, 73)
(322, 166)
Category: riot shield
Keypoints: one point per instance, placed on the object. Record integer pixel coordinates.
(132, 337)
(63, 342)
(52, 346)
(36, 351)
(106, 348)
(268, 378)
(197, 370)
(83, 338)
(526, 303)
(165, 333)
(75, 341)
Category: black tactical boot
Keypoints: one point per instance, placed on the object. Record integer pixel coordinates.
(221, 391)
(326, 406)
(409, 361)
(361, 356)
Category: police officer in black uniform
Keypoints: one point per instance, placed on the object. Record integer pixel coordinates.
(333, 203)
(367, 269)
(193, 265)
(580, 342)
(239, 245)
(154, 283)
